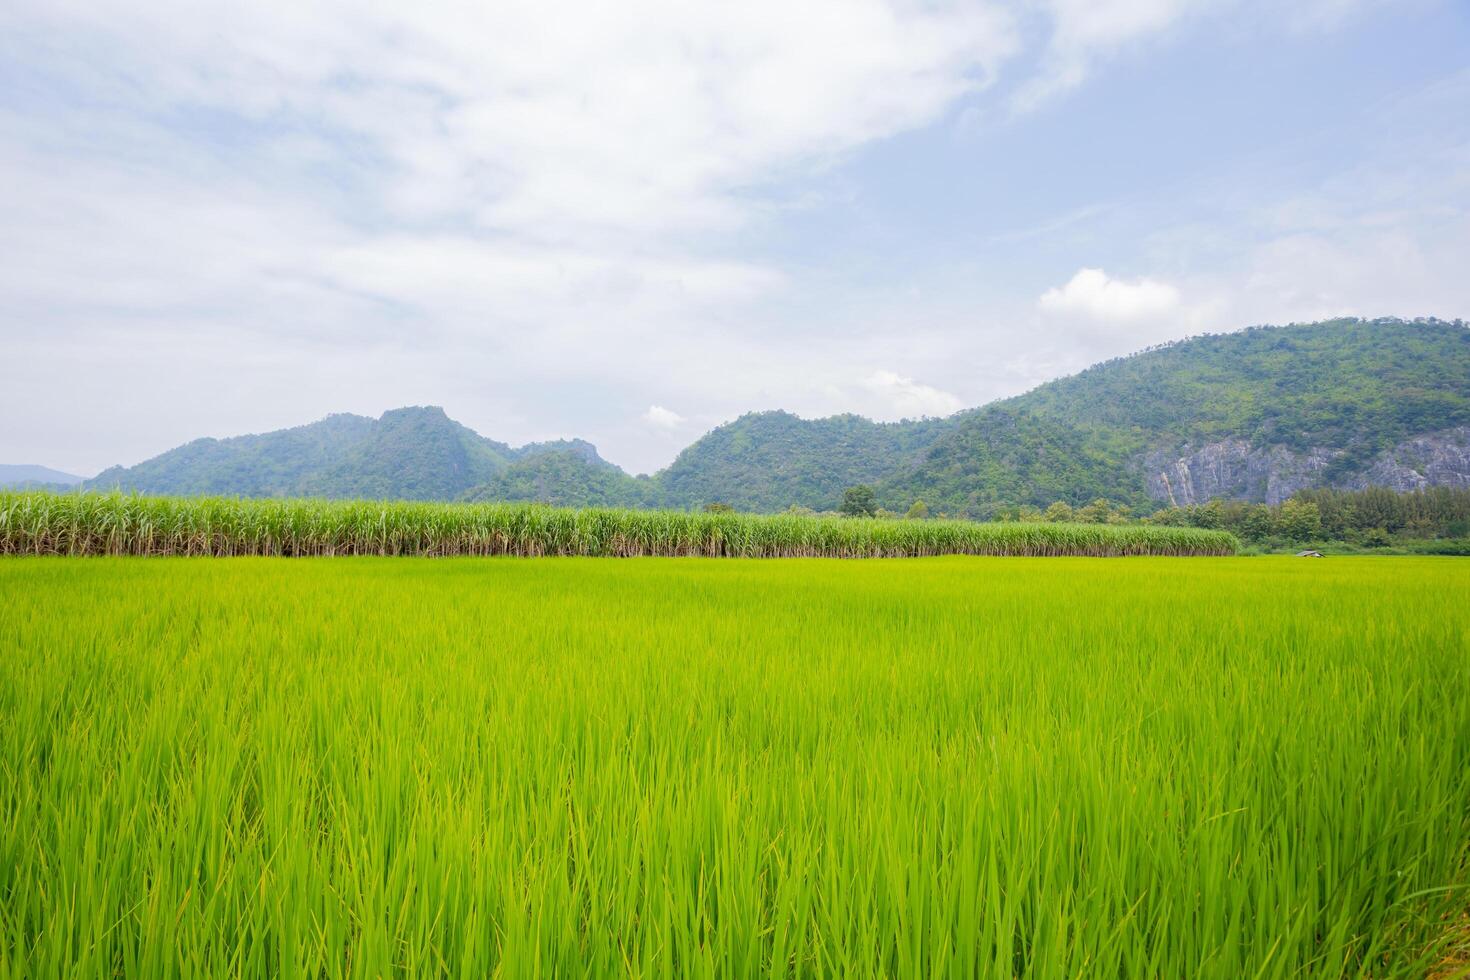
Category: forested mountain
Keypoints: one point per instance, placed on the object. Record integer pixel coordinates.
(1253, 415)
(568, 478)
(274, 464)
(409, 453)
(771, 460)
(413, 454)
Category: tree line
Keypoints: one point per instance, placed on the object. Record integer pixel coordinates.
(1374, 516)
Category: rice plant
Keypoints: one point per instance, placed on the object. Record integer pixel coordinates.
(80, 524)
(953, 767)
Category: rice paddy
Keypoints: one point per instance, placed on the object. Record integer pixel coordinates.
(946, 767)
(82, 524)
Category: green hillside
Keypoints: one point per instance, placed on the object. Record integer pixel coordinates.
(771, 460)
(1339, 383)
(273, 464)
(408, 454)
(568, 478)
(1004, 456)
(1355, 387)
(412, 454)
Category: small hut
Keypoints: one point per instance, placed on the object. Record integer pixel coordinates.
(1309, 554)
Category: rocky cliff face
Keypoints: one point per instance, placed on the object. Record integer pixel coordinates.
(1232, 468)
(1438, 460)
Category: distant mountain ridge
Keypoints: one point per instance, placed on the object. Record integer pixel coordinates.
(414, 453)
(31, 475)
(1256, 415)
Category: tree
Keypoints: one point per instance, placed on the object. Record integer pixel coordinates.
(1059, 513)
(1259, 523)
(859, 501)
(1171, 517)
(1376, 538)
(1300, 520)
(1377, 507)
(1210, 516)
(918, 511)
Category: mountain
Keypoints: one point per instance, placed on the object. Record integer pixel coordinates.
(274, 464)
(1252, 415)
(1255, 415)
(408, 453)
(414, 453)
(580, 448)
(20, 475)
(767, 461)
(411, 454)
(568, 477)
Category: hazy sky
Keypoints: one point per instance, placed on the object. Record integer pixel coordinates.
(632, 221)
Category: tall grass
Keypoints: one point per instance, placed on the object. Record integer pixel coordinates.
(948, 768)
(36, 523)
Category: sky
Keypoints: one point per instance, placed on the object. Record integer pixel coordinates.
(632, 222)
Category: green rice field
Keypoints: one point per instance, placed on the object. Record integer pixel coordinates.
(931, 767)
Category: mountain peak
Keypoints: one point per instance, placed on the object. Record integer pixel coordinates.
(433, 413)
(579, 448)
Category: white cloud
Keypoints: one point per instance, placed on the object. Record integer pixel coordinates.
(906, 398)
(636, 116)
(1084, 31)
(662, 418)
(1092, 293)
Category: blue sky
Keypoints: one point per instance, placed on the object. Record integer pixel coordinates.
(632, 222)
